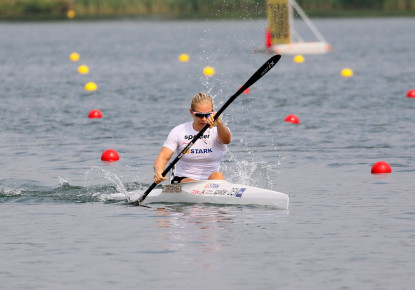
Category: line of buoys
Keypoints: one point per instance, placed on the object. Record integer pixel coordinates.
(207, 71)
(382, 167)
(109, 155)
(83, 69)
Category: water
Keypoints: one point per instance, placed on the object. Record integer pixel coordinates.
(65, 218)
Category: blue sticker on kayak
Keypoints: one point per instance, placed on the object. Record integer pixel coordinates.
(240, 191)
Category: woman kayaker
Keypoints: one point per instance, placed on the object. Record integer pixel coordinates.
(202, 161)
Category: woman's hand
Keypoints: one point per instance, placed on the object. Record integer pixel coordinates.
(160, 163)
(224, 134)
(211, 121)
(159, 178)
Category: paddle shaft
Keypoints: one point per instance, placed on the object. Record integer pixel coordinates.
(256, 76)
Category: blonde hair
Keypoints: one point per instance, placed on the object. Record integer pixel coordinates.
(200, 98)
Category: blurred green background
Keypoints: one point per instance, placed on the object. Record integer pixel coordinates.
(86, 9)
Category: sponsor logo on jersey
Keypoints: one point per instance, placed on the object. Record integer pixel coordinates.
(190, 137)
(201, 151)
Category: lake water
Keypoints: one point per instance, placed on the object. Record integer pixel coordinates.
(65, 216)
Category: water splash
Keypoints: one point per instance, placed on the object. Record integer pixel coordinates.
(9, 192)
(65, 192)
(244, 166)
(63, 181)
(258, 173)
(121, 191)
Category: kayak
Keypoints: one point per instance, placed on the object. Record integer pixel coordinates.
(217, 192)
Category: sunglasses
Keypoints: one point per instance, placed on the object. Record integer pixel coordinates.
(202, 115)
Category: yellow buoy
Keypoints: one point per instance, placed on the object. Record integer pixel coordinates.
(91, 86)
(347, 72)
(299, 58)
(74, 56)
(70, 14)
(184, 57)
(83, 69)
(208, 71)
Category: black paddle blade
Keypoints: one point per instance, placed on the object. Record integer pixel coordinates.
(266, 67)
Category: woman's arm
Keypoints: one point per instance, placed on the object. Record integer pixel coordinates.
(224, 134)
(160, 164)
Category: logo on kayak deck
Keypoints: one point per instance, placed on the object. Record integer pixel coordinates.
(240, 191)
(215, 191)
(212, 185)
(172, 188)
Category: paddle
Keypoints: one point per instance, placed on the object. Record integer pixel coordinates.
(256, 76)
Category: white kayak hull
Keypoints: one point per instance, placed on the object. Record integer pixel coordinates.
(218, 192)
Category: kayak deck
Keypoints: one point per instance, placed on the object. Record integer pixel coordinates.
(218, 192)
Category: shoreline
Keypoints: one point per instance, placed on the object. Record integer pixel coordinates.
(206, 16)
(45, 10)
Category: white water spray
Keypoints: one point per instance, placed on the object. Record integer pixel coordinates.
(121, 193)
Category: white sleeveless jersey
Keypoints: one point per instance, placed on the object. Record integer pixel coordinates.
(203, 158)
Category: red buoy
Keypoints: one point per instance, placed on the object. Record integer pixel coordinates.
(410, 94)
(94, 114)
(268, 42)
(292, 119)
(381, 167)
(110, 155)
